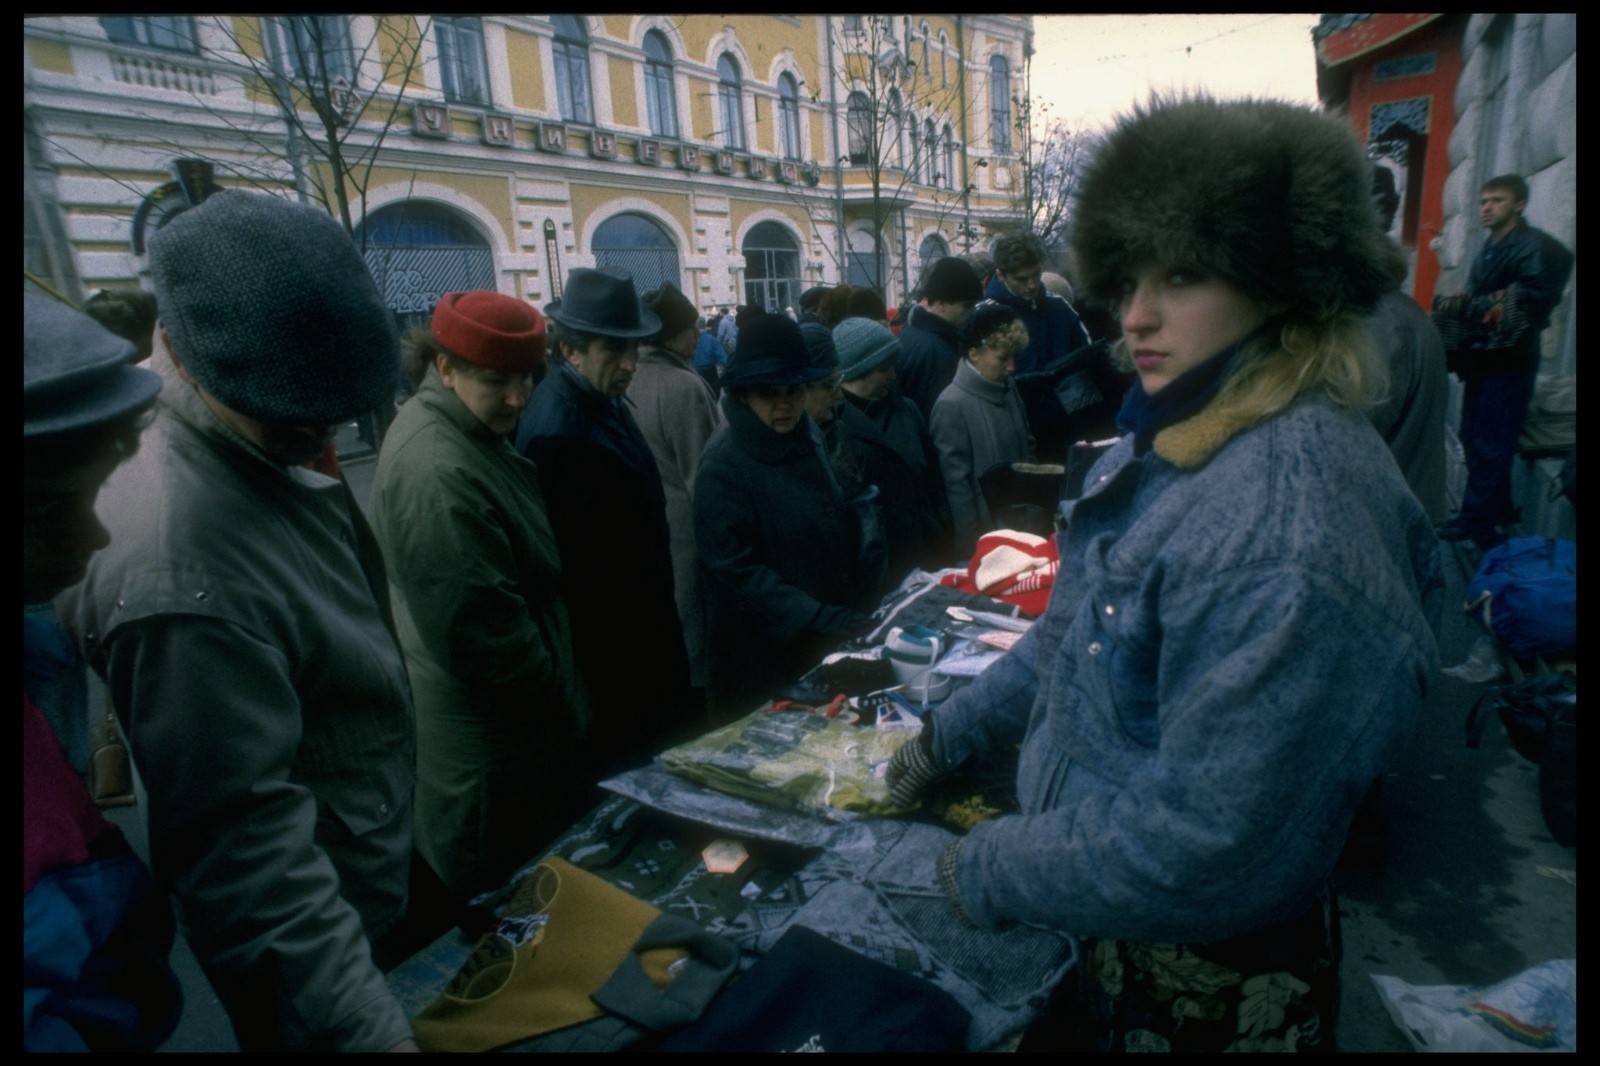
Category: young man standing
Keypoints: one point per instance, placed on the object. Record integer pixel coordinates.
(929, 352)
(1054, 328)
(1518, 276)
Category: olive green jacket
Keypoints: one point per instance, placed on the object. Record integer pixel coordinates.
(473, 578)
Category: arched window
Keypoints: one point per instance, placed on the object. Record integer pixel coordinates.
(789, 116)
(930, 139)
(858, 124)
(944, 54)
(1000, 104)
(418, 251)
(927, 70)
(895, 131)
(949, 158)
(637, 245)
(771, 267)
(571, 51)
(730, 102)
(659, 98)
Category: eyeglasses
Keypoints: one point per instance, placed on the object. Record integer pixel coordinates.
(774, 393)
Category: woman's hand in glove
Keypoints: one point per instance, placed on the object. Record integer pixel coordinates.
(913, 768)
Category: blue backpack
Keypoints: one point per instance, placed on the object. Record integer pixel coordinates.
(1528, 588)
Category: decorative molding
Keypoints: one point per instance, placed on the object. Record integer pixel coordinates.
(552, 137)
(648, 153)
(430, 120)
(603, 144)
(499, 130)
(724, 161)
(689, 156)
(788, 172)
(758, 168)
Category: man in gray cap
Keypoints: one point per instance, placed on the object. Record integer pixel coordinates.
(106, 987)
(240, 619)
(608, 508)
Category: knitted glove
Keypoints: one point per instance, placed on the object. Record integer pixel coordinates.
(913, 768)
(949, 858)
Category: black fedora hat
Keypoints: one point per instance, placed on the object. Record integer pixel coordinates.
(598, 301)
(771, 351)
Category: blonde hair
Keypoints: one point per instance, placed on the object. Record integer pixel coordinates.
(1010, 337)
(1335, 357)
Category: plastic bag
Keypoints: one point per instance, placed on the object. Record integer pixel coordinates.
(794, 759)
(1537, 1010)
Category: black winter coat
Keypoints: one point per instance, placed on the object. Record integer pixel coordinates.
(781, 549)
(607, 508)
(930, 351)
(892, 438)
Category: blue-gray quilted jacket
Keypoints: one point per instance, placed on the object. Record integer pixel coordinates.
(1240, 634)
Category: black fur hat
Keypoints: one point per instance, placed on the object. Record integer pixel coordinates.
(1270, 196)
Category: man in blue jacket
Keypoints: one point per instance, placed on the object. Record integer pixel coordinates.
(1054, 328)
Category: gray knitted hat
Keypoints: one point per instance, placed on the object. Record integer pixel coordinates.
(75, 372)
(272, 310)
(863, 346)
(1272, 197)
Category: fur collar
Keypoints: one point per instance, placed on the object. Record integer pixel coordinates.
(1190, 444)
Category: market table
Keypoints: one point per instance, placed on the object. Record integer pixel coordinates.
(867, 883)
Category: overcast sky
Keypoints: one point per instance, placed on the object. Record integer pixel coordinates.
(1091, 67)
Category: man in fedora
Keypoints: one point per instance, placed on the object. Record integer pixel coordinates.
(608, 509)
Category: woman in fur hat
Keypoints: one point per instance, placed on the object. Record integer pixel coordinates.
(1240, 632)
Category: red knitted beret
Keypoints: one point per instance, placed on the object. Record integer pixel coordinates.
(490, 330)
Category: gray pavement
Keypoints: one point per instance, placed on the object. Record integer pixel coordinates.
(1466, 887)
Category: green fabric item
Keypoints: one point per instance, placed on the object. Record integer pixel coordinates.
(794, 759)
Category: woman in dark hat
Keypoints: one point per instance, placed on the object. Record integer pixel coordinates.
(473, 577)
(1240, 632)
(790, 561)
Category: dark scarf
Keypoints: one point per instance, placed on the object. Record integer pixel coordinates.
(1144, 415)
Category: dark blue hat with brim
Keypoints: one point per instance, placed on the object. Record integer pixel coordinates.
(75, 372)
(603, 303)
(771, 351)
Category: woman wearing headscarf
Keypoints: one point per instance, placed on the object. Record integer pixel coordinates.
(1240, 632)
(473, 576)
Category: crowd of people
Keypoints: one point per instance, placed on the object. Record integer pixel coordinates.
(599, 528)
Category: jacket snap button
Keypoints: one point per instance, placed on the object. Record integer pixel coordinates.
(383, 808)
(1094, 647)
(1111, 609)
(200, 596)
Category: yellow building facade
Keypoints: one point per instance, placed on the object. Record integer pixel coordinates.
(742, 157)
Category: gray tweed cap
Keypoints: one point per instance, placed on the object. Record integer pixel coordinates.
(272, 310)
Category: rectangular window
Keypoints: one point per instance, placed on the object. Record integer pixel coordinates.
(315, 49)
(572, 82)
(462, 62)
(175, 33)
